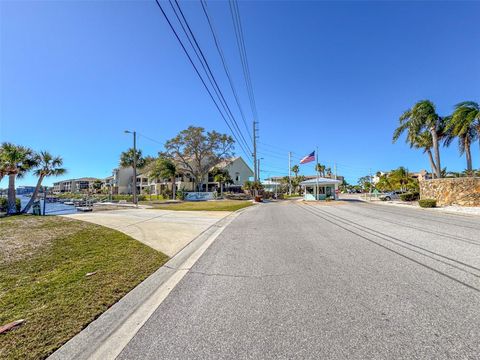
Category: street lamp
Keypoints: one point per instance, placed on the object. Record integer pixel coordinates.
(134, 133)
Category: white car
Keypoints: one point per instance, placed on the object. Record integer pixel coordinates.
(392, 195)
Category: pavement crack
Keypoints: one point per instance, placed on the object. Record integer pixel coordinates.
(229, 275)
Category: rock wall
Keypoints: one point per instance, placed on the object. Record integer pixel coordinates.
(458, 191)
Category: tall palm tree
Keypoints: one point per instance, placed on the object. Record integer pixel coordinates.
(424, 141)
(16, 161)
(47, 165)
(422, 116)
(464, 124)
(164, 168)
(126, 158)
(295, 170)
(320, 169)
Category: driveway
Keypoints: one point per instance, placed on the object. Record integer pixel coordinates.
(164, 230)
(353, 281)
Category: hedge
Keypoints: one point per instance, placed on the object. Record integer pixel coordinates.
(427, 203)
(410, 196)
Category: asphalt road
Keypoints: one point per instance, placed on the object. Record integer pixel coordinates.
(341, 281)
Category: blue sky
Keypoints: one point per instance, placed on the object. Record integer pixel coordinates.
(337, 75)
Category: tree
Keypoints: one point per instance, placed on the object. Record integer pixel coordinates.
(424, 141)
(319, 168)
(126, 158)
(295, 170)
(16, 160)
(46, 165)
(465, 125)
(222, 176)
(164, 168)
(422, 116)
(197, 152)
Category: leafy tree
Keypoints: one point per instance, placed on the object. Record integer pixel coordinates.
(197, 152)
(164, 168)
(365, 183)
(422, 116)
(15, 160)
(46, 165)
(465, 125)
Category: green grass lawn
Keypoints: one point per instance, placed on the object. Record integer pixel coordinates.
(43, 267)
(222, 205)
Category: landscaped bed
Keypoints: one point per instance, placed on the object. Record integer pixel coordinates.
(59, 274)
(218, 205)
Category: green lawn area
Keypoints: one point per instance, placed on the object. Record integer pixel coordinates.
(221, 205)
(43, 267)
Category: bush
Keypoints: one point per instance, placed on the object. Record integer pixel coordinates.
(238, 196)
(427, 203)
(410, 196)
(4, 201)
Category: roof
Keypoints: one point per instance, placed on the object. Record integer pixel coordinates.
(321, 181)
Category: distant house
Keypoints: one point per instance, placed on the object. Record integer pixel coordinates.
(121, 181)
(81, 185)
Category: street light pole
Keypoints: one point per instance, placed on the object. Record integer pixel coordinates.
(134, 164)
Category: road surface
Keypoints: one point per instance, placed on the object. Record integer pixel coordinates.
(334, 281)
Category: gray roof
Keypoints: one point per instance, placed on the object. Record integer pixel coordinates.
(321, 181)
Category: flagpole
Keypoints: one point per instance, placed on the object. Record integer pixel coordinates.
(316, 168)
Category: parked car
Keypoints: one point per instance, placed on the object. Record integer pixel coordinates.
(392, 195)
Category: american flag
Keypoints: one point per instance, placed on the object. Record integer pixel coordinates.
(309, 158)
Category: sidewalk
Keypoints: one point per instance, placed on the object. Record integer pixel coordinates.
(163, 230)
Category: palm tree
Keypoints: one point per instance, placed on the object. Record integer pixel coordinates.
(328, 170)
(16, 161)
(295, 170)
(319, 168)
(164, 168)
(126, 158)
(222, 177)
(464, 124)
(422, 116)
(47, 165)
(424, 141)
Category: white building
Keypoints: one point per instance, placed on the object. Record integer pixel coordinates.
(320, 189)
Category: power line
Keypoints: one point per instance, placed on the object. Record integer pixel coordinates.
(198, 73)
(224, 62)
(206, 67)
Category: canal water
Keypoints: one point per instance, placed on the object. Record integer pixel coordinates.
(51, 208)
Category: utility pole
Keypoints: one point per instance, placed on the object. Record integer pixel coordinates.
(335, 169)
(289, 173)
(258, 169)
(255, 151)
(134, 164)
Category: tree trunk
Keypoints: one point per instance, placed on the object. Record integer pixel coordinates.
(11, 204)
(34, 195)
(173, 187)
(468, 155)
(436, 150)
(432, 163)
(221, 189)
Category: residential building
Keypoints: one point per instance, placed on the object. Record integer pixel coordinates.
(237, 168)
(81, 185)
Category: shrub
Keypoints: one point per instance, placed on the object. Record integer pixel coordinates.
(238, 196)
(4, 201)
(427, 203)
(410, 196)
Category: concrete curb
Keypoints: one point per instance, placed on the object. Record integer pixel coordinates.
(105, 337)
